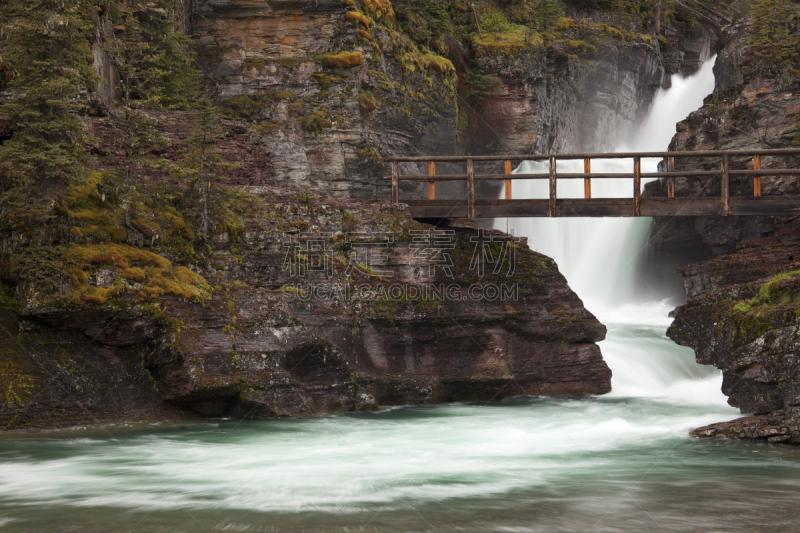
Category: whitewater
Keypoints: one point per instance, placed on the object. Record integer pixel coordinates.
(618, 462)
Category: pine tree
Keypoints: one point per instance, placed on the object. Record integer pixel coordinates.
(547, 13)
(173, 56)
(44, 45)
(138, 138)
(138, 88)
(205, 195)
(769, 24)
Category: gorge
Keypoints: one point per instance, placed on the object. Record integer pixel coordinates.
(262, 375)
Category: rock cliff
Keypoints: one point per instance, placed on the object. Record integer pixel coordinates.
(316, 306)
(741, 313)
(332, 87)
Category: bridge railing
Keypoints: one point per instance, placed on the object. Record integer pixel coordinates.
(604, 207)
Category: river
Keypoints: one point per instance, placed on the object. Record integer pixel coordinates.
(619, 462)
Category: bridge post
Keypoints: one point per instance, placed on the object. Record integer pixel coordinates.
(725, 185)
(637, 186)
(470, 188)
(670, 179)
(587, 182)
(756, 179)
(395, 182)
(508, 182)
(431, 184)
(552, 210)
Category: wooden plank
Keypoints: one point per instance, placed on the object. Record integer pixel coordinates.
(395, 183)
(587, 182)
(581, 175)
(756, 179)
(459, 211)
(765, 206)
(616, 155)
(470, 188)
(552, 210)
(508, 181)
(670, 179)
(725, 185)
(771, 172)
(441, 203)
(609, 207)
(595, 207)
(431, 184)
(680, 207)
(637, 186)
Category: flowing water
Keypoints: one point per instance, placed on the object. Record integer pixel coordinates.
(620, 462)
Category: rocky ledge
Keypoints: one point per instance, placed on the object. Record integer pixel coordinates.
(744, 318)
(317, 306)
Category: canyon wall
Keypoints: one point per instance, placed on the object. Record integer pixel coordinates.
(268, 64)
(316, 306)
(742, 310)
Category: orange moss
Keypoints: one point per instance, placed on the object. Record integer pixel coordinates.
(155, 272)
(343, 60)
(365, 35)
(359, 18)
(379, 9)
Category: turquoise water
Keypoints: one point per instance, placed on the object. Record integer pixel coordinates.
(622, 462)
(524, 465)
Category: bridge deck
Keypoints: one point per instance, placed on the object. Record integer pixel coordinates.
(722, 205)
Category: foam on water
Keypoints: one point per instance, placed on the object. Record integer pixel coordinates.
(602, 259)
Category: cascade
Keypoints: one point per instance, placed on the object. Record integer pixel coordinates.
(603, 258)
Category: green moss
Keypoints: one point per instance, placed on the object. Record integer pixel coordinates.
(367, 103)
(315, 123)
(582, 47)
(510, 42)
(778, 286)
(269, 127)
(8, 298)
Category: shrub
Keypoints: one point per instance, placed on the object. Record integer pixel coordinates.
(315, 122)
(494, 21)
(367, 104)
(379, 8)
(548, 13)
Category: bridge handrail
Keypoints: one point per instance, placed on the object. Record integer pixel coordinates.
(614, 155)
(724, 172)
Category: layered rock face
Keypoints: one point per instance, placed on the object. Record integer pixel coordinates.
(327, 122)
(555, 102)
(747, 325)
(741, 314)
(319, 307)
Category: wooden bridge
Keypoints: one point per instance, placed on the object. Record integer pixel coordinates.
(635, 206)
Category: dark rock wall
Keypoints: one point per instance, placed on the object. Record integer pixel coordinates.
(266, 345)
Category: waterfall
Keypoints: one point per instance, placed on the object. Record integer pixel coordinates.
(602, 257)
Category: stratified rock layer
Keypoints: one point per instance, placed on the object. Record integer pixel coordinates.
(276, 340)
(742, 310)
(749, 330)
